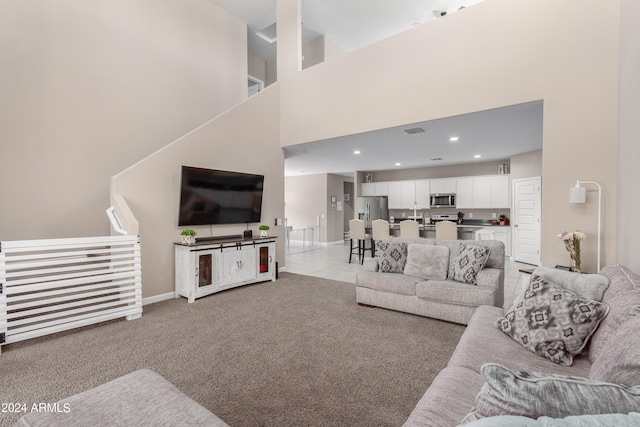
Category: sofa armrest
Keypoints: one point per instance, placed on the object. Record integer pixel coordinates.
(370, 264)
(493, 278)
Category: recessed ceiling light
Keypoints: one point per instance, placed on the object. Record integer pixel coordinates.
(398, 163)
(454, 139)
(356, 152)
(477, 156)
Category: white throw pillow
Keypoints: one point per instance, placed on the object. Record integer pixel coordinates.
(427, 261)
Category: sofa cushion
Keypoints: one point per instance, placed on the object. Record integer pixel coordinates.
(427, 261)
(447, 400)
(551, 321)
(602, 420)
(392, 256)
(623, 292)
(619, 361)
(469, 260)
(388, 282)
(530, 394)
(589, 286)
(142, 397)
(472, 351)
(452, 292)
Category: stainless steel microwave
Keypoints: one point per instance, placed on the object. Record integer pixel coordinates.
(442, 200)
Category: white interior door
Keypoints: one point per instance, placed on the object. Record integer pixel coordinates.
(526, 227)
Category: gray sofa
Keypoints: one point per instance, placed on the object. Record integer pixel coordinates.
(140, 398)
(483, 372)
(433, 294)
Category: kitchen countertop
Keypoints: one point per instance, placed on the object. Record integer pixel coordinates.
(463, 225)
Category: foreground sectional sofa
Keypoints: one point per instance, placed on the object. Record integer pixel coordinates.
(502, 373)
(445, 279)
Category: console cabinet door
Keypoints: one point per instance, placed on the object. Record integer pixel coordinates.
(265, 255)
(238, 265)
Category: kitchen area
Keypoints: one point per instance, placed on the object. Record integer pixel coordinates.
(477, 204)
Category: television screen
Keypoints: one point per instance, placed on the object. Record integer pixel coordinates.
(209, 196)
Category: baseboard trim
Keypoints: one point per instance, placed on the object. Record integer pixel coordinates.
(158, 298)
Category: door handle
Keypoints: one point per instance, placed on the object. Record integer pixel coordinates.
(515, 225)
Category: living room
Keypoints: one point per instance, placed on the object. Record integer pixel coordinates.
(93, 110)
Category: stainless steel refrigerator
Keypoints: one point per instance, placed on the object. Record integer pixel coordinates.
(372, 208)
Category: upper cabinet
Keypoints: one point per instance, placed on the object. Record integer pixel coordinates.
(423, 190)
(500, 191)
(464, 193)
(483, 192)
(375, 189)
(443, 186)
(473, 192)
(409, 194)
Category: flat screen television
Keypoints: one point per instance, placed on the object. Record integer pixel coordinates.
(209, 196)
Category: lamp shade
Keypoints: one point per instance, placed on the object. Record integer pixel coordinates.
(577, 194)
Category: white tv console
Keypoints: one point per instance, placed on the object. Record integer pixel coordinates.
(208, 267)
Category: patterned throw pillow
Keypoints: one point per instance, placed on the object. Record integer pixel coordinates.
(468, 262)
(392, 257)
(551, 321)
(531, 394)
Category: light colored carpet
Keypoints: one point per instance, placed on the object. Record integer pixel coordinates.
(295, 352)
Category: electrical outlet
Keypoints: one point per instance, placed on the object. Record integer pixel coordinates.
(493, 215)
(470, 214)
(403, 214)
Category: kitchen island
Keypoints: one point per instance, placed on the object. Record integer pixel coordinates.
(466, 231)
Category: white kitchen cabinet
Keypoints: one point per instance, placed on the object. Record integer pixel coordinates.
(503, 234)
(422, 193)
(488, 192)
(500, 191)
(375, 189)
(481, 192)
(206, 268)
(443, 186)
(464, 193)
(381, 188)
(395, 195)
(368, 188)
(408, 194)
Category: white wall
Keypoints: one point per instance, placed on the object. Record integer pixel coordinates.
(90, 87)
(494, 54)
(628, 239)
(152, 186)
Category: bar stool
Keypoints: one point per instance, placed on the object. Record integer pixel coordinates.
(356, 231)
(446, 230)
(380, 231)
(409, 229)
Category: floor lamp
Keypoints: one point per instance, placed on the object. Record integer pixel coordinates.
(578, 194)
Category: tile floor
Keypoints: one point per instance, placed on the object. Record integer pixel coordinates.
(331, 262)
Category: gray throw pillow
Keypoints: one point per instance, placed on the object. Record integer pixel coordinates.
(469, 260)
(589, 286)
(533, 395)
(551, 321)
(427, 262)
(392, 256)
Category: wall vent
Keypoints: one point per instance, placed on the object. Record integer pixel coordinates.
(413, 131)
(435, 159)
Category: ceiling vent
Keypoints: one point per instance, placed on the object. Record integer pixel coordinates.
(268, 33)
(413, 131)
